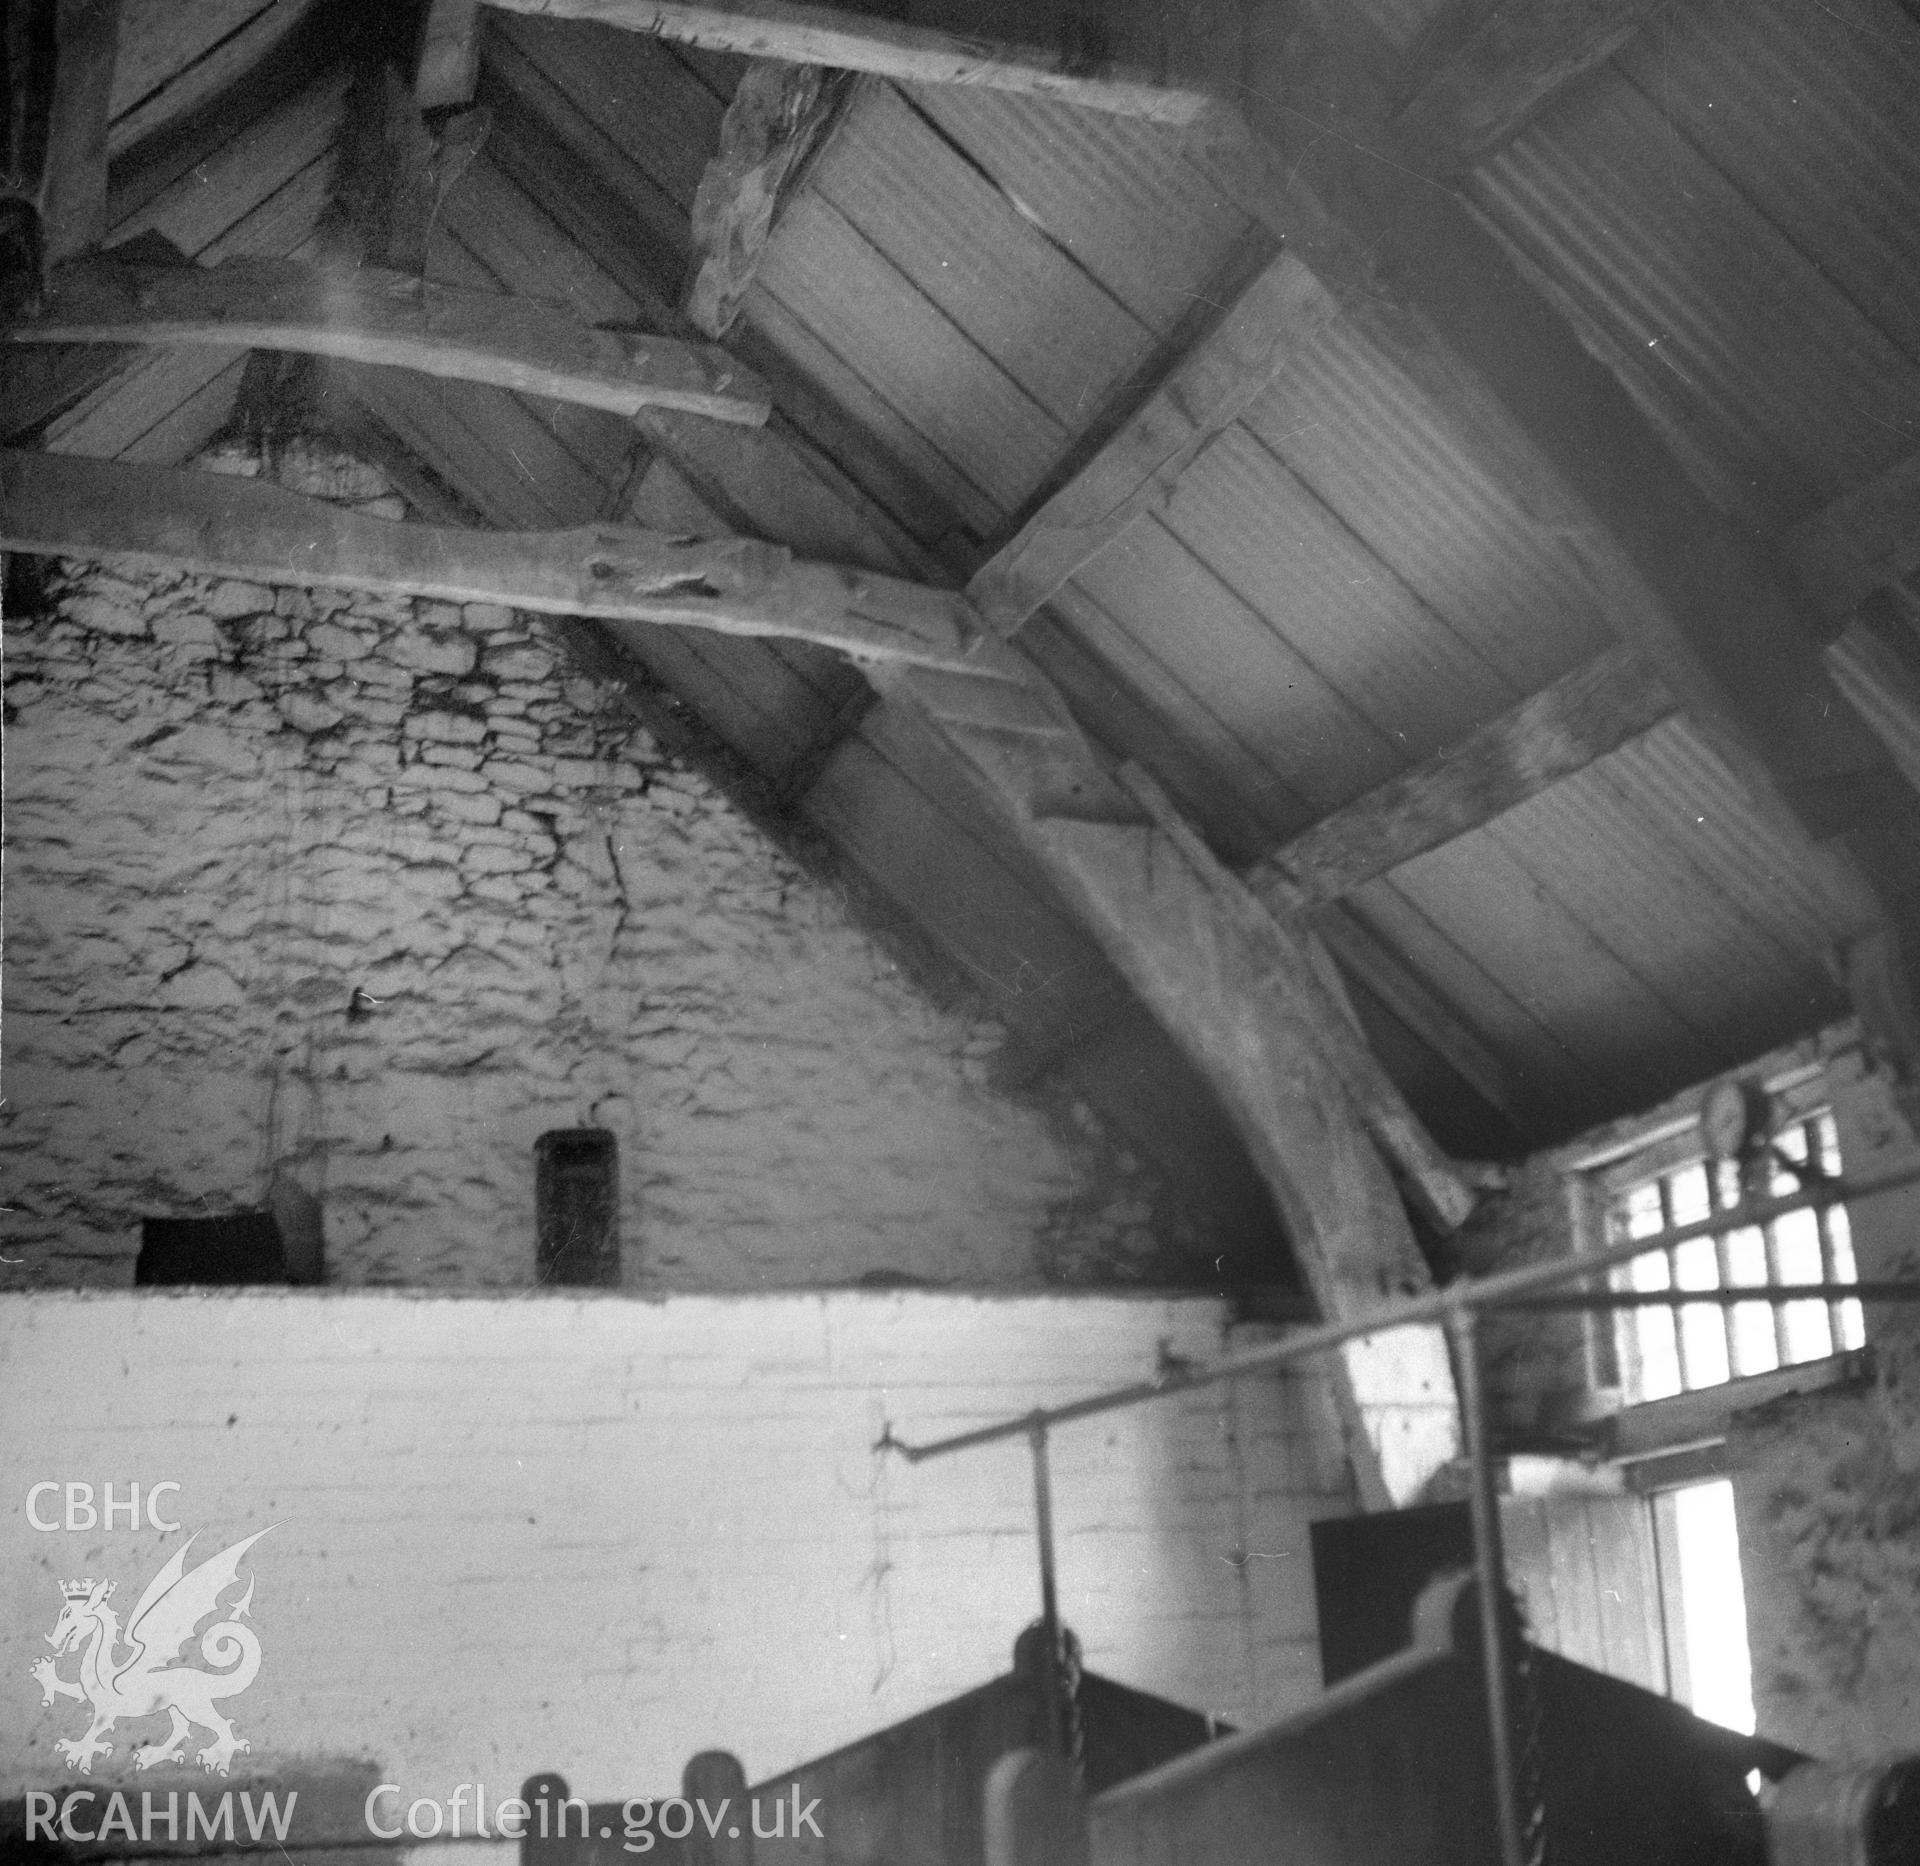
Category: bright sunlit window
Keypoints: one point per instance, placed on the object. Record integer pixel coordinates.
(1662, 1351)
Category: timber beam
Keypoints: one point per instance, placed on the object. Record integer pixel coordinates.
(1128, 57)
(1242, 995)
(778, 121)
(1585, 714)
(449, 65)
(1136, 470)
(210, 523)
(1865, 540)
(1480, 74)
(58, 73)
(1875, 662)
(1677, 578)
(368, 315)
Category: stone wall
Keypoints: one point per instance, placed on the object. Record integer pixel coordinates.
(349, 899)
(1827, 1489)
(1826, 1485)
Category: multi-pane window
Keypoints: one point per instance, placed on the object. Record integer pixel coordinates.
(1665, 1350)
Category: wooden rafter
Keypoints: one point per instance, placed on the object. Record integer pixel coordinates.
(1203, 393)
(53, 167)
(73, 203)
(1241, 994)
(1367, 959)
(1298, 965)
(1585, 714)
(1430, 286)
(1876, 664)
(449, 65)
(1130, 57)
(367, 315)
(1863, 541)
(778, 117)
(213, 524)
(1481, 74)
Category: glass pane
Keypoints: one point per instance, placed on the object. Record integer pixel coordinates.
(1754, 1348)
(1846, 1319)
(1842, 1235)
(1703, 1333)
(1827, 1141)
(1688, 1189)
(1698, 1264)
(1797, 1240)
(1654, 1331)
(1642, 1211)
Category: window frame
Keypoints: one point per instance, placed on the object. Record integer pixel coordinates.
(1656, 1150)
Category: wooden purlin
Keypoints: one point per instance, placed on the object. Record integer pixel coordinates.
(1430, 287)
(205, 522)
(1131, 57)
(365, 314)
(1372, 963)
(1138, 468)
(1550, 735)
(1865, 540)
(1880, 675)
(1480, 75)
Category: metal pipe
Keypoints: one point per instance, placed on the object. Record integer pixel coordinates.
(1049, 1592)
(1429, 1306)
(1778, 1294)
(1490, 1581)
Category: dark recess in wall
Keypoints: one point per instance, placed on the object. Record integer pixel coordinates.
(242, 1247)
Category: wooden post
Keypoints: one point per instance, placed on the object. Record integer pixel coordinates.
(449, 67)
(1033, 1814)
(713, 1777)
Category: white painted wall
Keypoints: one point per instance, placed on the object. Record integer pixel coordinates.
(600, 1533)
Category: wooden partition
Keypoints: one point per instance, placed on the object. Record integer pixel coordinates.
(1394, 1764)
(1391, 1765)
(909, 1795)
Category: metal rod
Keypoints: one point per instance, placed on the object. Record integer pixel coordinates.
(1674, 1320)
(1430, 1306)
(1049, 1592)
(1735, 1298)
(1490, 1581)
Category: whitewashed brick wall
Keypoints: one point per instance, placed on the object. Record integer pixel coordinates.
(230, 809)
(601, 1533)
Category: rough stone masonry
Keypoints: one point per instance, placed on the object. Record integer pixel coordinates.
(361, 895)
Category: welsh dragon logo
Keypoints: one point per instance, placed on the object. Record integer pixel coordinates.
(143, 1682)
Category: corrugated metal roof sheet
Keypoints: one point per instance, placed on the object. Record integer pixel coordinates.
(1336, 587)
(1721, 325)
(1809, 112)
(1376, 452)
(1257, 686)
(1321, 590)
(912, 355)
(1022, 299)
(1117, 195)
(1648, 883)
